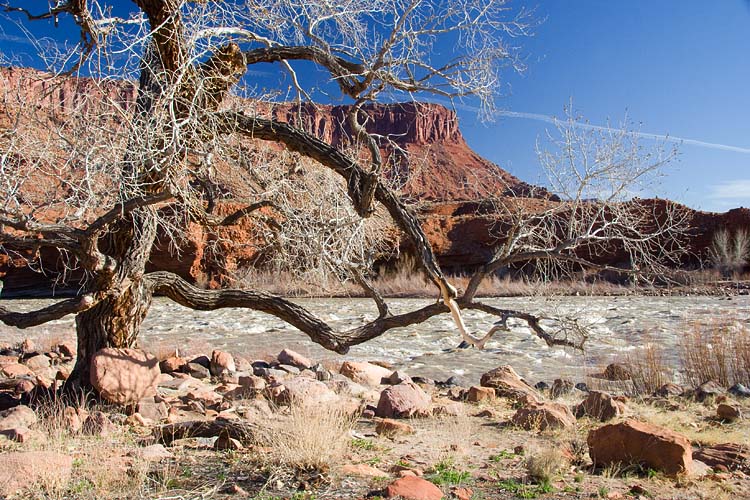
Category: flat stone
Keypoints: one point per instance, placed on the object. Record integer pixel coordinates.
(389, 427)
(14, 370)
(364, 373)
(362, 470)
(38, 362)
(413, 488)
(46, 469)
(289, 357)
(20, 416)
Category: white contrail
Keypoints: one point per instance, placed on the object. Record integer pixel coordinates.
(646, 135)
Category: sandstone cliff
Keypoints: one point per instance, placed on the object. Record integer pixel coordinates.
(427, 153)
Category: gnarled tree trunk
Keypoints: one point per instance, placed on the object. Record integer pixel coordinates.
(116, 319)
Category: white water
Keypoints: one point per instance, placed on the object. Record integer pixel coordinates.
(618, 325)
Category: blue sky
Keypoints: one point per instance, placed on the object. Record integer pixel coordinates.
(677, 67)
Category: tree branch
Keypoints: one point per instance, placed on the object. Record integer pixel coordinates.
(47, 314)
(320, 332)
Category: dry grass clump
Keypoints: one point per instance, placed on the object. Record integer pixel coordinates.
(717, 351)
(309, 437)
(544, 462)
(102, 465)
(649, 369)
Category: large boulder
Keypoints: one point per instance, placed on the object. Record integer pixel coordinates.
(124, 376)
(638, 442)
(403, 401)
(365, 373)
(508, 384)
(43, 470)
(413, 488)
(600, 405)
(543, 416)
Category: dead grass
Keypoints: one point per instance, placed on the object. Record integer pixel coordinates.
(718, 351)
(649, 369)
(308, 437)
(405, 280)
(104, 466)
(544, 462)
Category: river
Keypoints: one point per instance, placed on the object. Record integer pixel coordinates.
(618, 326)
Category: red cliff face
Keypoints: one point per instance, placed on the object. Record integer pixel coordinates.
(439, 167)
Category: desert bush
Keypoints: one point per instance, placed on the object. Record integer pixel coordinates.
(718, 351)
(544, 462)
(649, 369)
(309, 437)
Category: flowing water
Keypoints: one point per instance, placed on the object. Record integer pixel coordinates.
(617, 325)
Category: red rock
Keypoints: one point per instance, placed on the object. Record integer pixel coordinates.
(601, 406)
(307, 392)
(226, 443)
(67, 349)
(637, 442)
(364, 373)
(28, 345)
(124, 376)
(19, 416)
(98, 424)
(728, 412)
(617, 371)
(413, 488)
(508, 384)
(252, 382)
(289, 357)
(38, 362)
(221, 362)
(152, 410)
(726, 456)
(462, 493)
(543, 416)
(389, 427)
(172, 364)
(46, 469)
(8, 360)
(477, 393)
(17, 434)
(403, 401)
(15, 370)
(362, 470)
(152, 453)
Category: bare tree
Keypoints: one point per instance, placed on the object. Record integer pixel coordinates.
(108, 179)
(730, 252)
(110, 172)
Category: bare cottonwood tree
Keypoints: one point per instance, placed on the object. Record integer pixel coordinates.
(95, 189)
(125, 161)
(730, 252)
